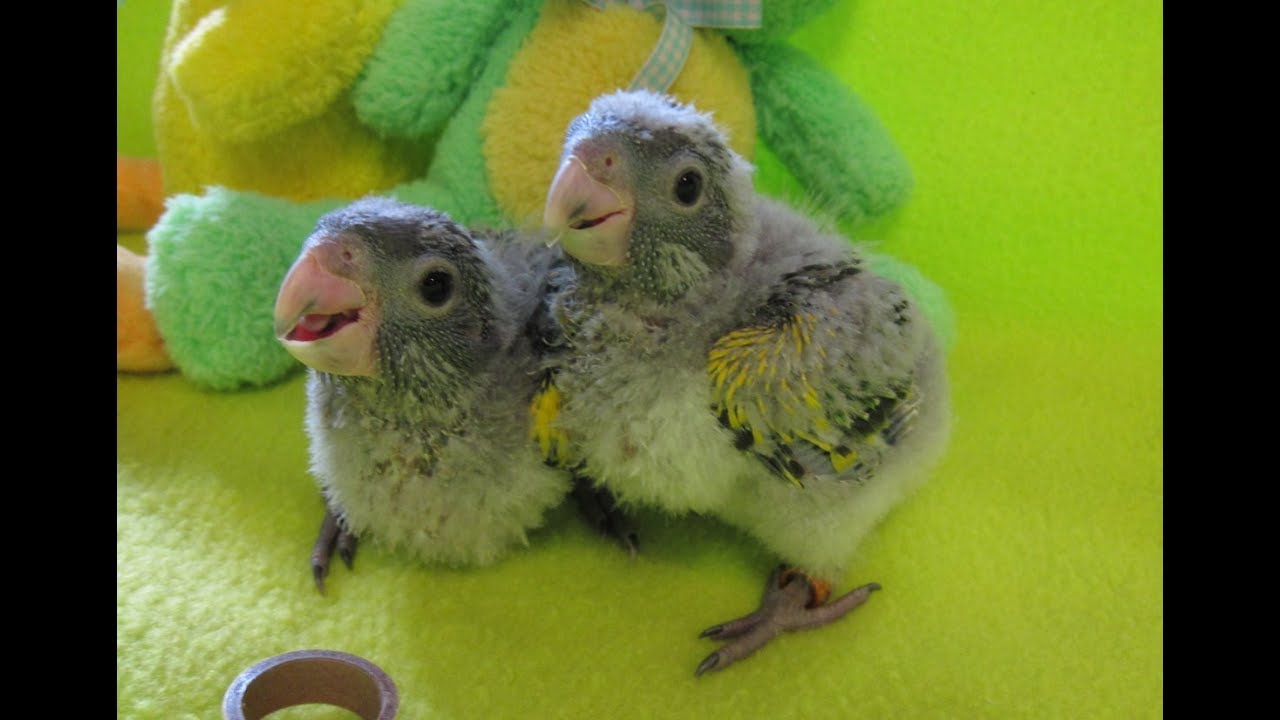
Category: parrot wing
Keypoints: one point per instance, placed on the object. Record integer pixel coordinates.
(821, 380)
(547, 338)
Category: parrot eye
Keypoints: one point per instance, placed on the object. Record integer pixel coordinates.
(436, 287)
(688, 187)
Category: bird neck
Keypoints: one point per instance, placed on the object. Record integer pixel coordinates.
(404, 399)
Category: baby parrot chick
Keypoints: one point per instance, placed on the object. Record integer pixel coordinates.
(727, 356)
(421, 339)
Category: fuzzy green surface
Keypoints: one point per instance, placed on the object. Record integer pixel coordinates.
(212, 300)
(826, 135)
(1024, 581)
(458, 182)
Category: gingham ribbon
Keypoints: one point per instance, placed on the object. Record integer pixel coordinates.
(667, 58)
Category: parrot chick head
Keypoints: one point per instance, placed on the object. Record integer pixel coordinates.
(389, 290)
(649, 194)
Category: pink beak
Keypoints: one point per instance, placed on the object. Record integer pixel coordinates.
(590, 218)
(322, 317)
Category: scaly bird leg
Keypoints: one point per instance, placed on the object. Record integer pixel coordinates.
(600, 509)
(792, 601)
(332, 536)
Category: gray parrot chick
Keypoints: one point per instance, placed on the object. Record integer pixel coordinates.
(729, 357)
(420, 338)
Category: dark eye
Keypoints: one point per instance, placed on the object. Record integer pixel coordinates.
(436, 287)
(689, 187)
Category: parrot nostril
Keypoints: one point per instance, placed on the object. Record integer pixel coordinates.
(608, 161)
(347, 256)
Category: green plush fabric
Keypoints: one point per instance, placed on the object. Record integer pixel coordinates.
(801, 112)
(190, 271)
(473, 84)
(1024, 581)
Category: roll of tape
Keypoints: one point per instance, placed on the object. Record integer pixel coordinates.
(304, 677)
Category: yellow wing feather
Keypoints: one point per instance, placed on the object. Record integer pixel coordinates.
(760, 391)
(552, 441)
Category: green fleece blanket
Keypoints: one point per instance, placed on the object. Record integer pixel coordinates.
(1024, 581)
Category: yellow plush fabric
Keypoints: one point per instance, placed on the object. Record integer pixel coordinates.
(1024, 581)
(548, 81)
(255, 96)
(251, 96)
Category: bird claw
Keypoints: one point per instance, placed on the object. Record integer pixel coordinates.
(733, 628)
(708, 663)
(319, 571)
(332, 536)
(785, 607)
(600, 508)
(347, 548)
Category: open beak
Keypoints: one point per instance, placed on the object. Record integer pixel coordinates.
(591, 219)
(323, 318)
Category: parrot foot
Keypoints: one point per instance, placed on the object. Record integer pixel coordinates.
(333, 536)
(600, 508)
(792, 601)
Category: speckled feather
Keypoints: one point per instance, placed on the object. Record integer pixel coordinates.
(433, 456)
(768, 378)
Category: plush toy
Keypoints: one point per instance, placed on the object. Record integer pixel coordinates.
(824, 134)
(253, 96)
(139, 347)
(494, 84)
(139, 193)
(139, 202)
